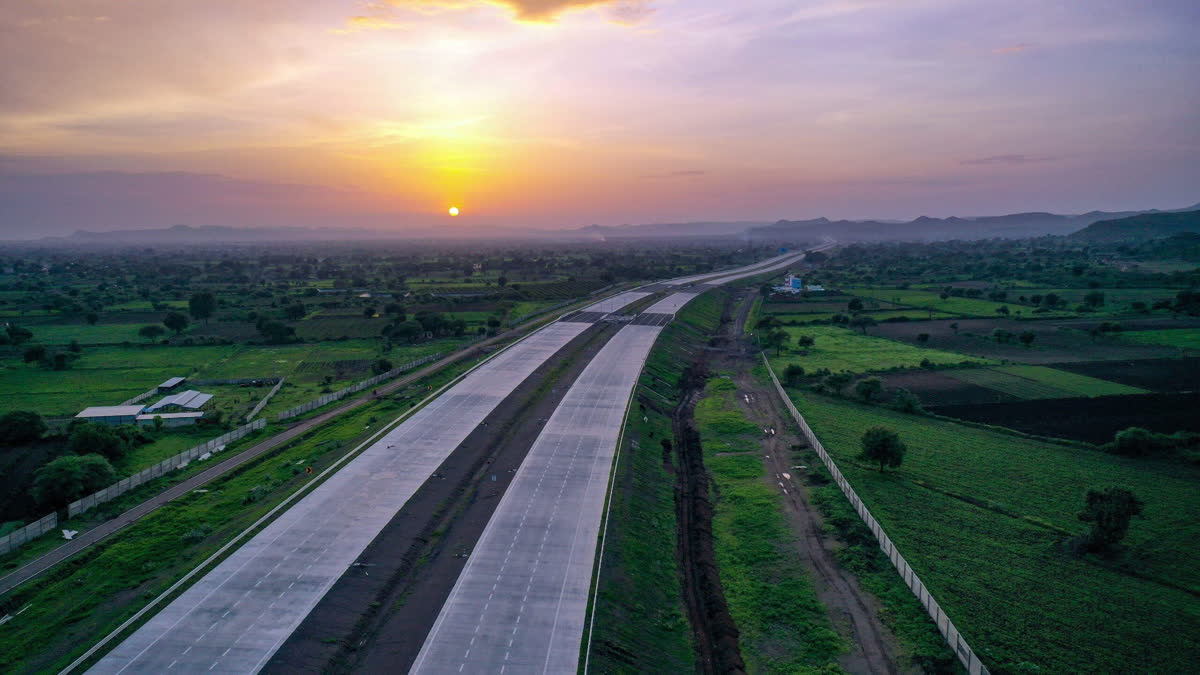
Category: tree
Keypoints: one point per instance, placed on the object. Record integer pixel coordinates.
(202, 305)
(923, 339)
(92, 318)
(97, 438)
(776, 339)
(381, 366)
(175, 321)
(855, 305)
(1094, 299)
(767, 322)
(21, 426)
(369, 312)
(869, 389)
(275, 331)
(880, 444)
(805, 341)
(764, 290)
(1109, 511)
(69, 478)
(1027, 337)
(862, 322)
(503, 281)
(906, 401)
(793, 374)
(152, 332)
(35, 354)
(295, 311)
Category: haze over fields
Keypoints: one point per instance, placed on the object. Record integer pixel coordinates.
(545, 114)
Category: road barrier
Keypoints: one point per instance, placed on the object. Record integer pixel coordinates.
(15, 539)
(355, 388)
(945, 626)
(266, 399)
(162, 468)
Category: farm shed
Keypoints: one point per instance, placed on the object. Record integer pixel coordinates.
(184, 401)
(171, 383)
(111, 414)
(170, 420)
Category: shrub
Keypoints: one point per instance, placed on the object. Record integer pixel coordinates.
(69, 478)
(21, 426)
(91, 438)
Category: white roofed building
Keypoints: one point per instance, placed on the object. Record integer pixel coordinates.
(111, 414)
(185, 401)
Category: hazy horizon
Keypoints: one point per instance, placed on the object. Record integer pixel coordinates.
(556, 114)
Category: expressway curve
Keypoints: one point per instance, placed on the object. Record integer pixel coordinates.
(238, 614)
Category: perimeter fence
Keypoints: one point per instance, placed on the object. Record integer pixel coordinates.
(355, 388)
(162, 468)
(32, 531)
(265, 400)
(944, 625)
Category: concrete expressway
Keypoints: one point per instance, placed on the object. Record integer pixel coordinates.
(237, 615)
(520, 604)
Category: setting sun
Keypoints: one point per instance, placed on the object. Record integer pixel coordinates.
(454, 210)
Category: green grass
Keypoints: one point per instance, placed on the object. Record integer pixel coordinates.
(105, 333)
(641, 624)
(783, 626)
(1181, 338)
(981, 515)
(841, 349)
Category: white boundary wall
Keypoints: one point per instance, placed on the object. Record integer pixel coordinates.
(265, 400)
(162, 468)
(15, 539)
(956, 641)
(354, 388)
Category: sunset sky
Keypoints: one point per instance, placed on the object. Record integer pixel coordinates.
(559, 113)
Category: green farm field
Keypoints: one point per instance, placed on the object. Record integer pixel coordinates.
(111, 374)
(1182, 338)
(1031, 382)
(981, 515)
(930, 300)
(841, 349)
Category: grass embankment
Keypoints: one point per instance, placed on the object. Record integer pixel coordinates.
(981, 516)
(841, 349)
(641, 624)
(784, 627)
(75, 604)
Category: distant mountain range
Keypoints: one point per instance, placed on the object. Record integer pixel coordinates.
(1012, 226)
(1141, 227)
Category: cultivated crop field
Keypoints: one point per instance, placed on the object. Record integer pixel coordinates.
(981, 515)
(1180, 338)
(1031, 382)
(929, 300)
(841, 349)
